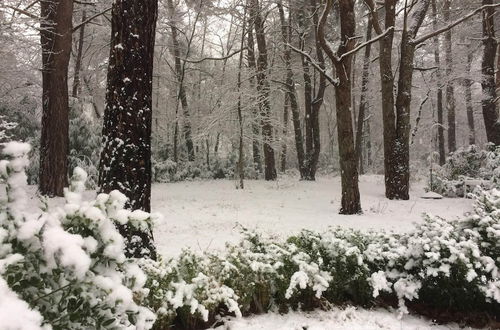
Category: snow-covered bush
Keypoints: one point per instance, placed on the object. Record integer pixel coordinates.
(67, 264)
(186, 292)
(469, 162)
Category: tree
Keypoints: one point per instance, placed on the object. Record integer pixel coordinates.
(362, 100)
(263, 89)
(291, 93)
(56, 35)
(396, 108)
(180, 74)
(450, 89)
(490, 111)
(439, 93)
(126, 156)
(342, 62)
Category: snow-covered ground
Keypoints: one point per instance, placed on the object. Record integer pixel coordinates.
(205, 214)
(336, 319)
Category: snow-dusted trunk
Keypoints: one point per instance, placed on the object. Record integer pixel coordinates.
(126, 155)
(286, 32)
(362, 100)
(396, 115)
(468, 97)
(400, 184)
(437, 60)
(56, 34)
(313, 90)
(450, 88)
(79, 55)
(490, 111)
(179, 70)
(252, 64)
(350, 203)
(264, 90)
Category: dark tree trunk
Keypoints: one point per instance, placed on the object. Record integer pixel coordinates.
(79, 54)
(285, 133)
(252, 64)
(241, 161)
(286, 35)
(56, 34)
(351, 203)
(182, 96)
(362, 100)
(450, 90)
(490, 111)
(468, 98)
(263, 88)
(313, 99)
(437, 60)
(397, 123)
(126, 156)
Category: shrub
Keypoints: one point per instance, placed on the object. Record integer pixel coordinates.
(68, 264)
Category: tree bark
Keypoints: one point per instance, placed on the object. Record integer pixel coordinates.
(55, 37)
(397, 123)
(126, 156)
(252, 64)
(291, 92)
(468, 97)
(182, 96)
(450, 89)
(490, 111)
(362, 100)
(79, 54)
(350, 203)
(264, 90)
(437, 60)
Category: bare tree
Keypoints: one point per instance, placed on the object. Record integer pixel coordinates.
(490, 111)
(450, 89)
(342, 62)
(263, 88)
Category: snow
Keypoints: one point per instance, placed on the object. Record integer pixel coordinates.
(205, 215)
(11, 309)
(336, 319)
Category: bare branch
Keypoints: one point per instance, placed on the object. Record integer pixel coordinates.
(90, 19)
(24, 12)
(366, 43)
(452, 24)
(215, 58)
(332, 80)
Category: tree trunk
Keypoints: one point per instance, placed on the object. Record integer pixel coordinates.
(126, 155)
(252, 64)
(241, 162)
(437, 60)
(450, 89)
(350, 203)
(56, 34)
(397, 124)
(79, 54)
(362, 100)
(286, 35)
(285, 133)
(490, 111)
(263, 89)
(468, 98)
(182, 96)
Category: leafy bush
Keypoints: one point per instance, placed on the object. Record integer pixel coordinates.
(68, 264)
(467, 163)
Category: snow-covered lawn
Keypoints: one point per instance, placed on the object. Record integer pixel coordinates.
(205, 214)
(336, 319)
